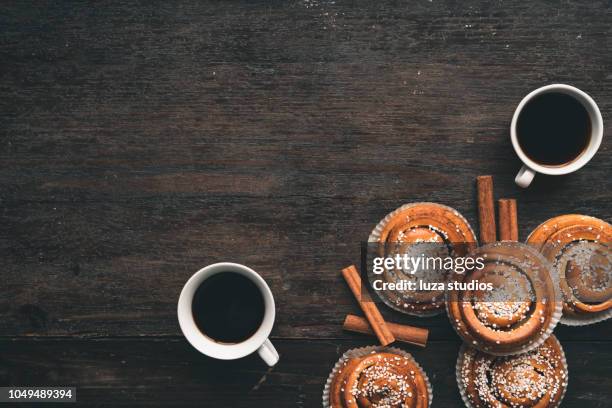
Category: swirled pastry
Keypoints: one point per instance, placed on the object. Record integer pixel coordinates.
(536, 379)
(519, 311)
(379, 380)
(430, 229)
(580, 248)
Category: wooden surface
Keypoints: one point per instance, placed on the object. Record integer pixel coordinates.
(142, 141)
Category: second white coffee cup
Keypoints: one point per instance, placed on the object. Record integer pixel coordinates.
(257, 342)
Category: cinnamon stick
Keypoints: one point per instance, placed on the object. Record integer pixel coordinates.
(405, 333)
(486, 209)
(352, 278)
(508, 220)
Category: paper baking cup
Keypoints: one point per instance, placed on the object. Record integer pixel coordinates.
(462, 390)
(375, 236)
(570, 320)
(363, 351)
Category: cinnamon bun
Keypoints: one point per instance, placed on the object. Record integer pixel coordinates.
(536, 379)
(424, 228)
(580, 249)
(379, 379)
(518, 312)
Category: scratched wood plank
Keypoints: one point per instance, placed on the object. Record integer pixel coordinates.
(140, 144)
(141, 372)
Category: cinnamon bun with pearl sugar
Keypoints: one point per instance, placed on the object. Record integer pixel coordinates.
(522, 309)
(536, 379)
(440, 231)
(379, 378)
(580, 248)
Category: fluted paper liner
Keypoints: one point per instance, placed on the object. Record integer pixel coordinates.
(568, 320)
(363, 351)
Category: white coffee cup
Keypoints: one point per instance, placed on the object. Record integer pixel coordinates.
(530, 168)
(257, 342)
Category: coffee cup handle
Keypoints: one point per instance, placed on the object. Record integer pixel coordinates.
(524, 177)
(268, 353)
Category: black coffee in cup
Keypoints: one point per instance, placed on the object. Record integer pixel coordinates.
(553, 129)
(228, 307)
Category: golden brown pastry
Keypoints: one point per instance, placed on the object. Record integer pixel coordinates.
(536, 379)
(439, 231)
(520, 311)
(580, 249)
(379, 380)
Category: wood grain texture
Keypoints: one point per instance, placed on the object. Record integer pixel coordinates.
(140, 141)
(145, 372)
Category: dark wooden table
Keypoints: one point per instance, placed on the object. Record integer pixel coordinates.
(140, 141)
